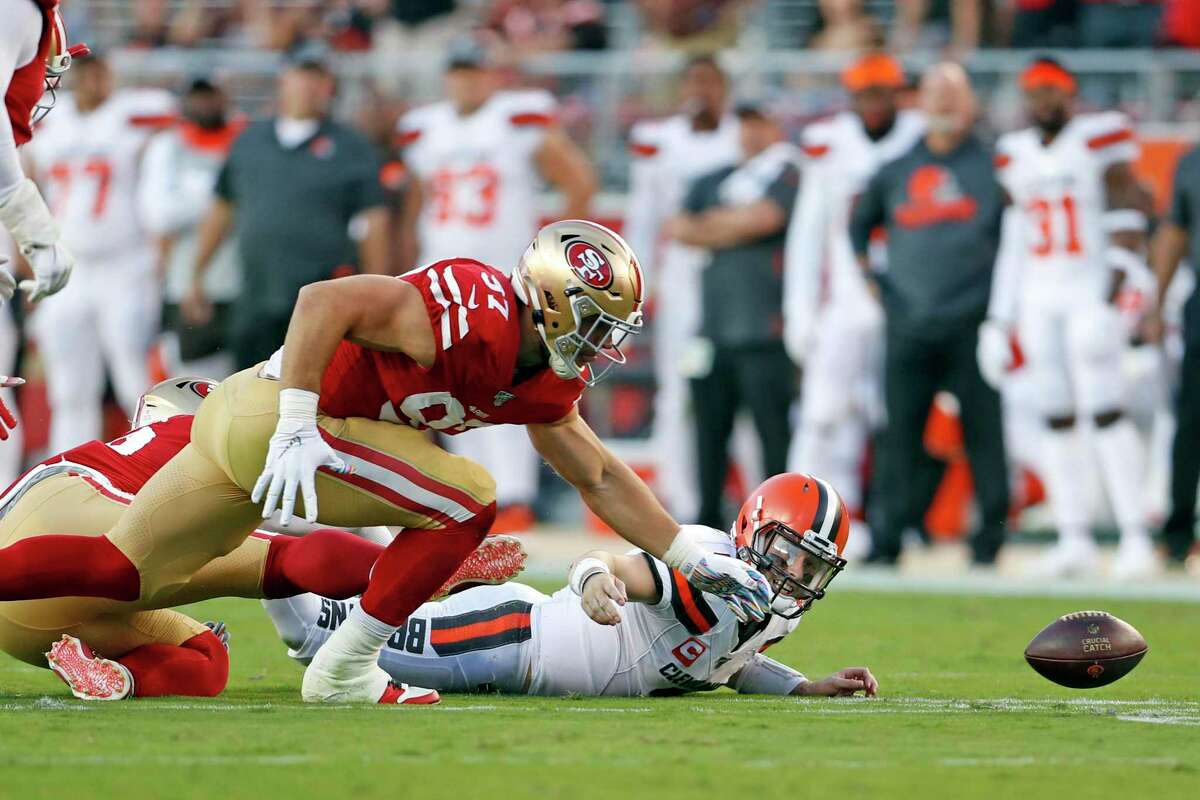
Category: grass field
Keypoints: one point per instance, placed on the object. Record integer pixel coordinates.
(961, 716)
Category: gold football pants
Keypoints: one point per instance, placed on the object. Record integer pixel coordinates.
(65, 503)
(197, 507)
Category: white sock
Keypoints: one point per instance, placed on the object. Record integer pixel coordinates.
(1122, 469)
(354, 647)
(1064, 470)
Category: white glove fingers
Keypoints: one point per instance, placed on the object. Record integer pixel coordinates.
(273, 491)
(260, 485)
(308, 489)
(288, 508)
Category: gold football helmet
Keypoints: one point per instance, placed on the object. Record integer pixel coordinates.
(171, 398)
(585, 287)
(59, 56)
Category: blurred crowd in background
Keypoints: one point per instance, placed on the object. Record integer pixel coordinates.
(542, 26)
(338, 81)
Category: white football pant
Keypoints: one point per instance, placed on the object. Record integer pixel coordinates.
(106, 316)
(673, 434)
(839, 400)
(11, 451)
(476, 640)
(1075, 362)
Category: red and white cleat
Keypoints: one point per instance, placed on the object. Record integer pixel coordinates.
(498, 559)
(401, 694)
(89, 676)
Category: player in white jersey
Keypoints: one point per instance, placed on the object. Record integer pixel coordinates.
(34, 55)
(87, 159)
(667, 155)
(478, 161)
(833, 326)
(625, 625)
(1072, 238)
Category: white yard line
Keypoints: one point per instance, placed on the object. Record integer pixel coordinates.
(1168, 719)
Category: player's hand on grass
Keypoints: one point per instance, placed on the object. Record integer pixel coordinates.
(743, 588)
(843, 683)
(295, 454)
(603, 595)
(7, 420)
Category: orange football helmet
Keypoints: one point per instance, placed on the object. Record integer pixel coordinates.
(793, 528)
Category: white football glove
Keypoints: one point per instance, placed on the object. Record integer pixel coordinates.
(742, 587)
(295, 454)
(994, 352)
(25, 215)
(8, 284)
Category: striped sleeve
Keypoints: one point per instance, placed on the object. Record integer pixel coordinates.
(1111, 139)
(483, 629)
(690, 606)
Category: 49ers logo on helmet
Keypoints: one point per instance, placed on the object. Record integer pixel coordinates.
(201, 388)
(590, 265)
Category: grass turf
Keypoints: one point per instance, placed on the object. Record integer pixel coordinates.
(961, 716)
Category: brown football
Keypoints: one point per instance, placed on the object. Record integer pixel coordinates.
(1086, 649)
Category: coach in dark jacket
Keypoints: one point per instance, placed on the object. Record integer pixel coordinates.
(1179, 235)
(941, 205)
(290, 188)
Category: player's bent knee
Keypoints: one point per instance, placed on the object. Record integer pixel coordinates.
(210, 681)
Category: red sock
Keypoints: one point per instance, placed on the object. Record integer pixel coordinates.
(198, 668)
(330, 563)
(58, 565)
(416, 563)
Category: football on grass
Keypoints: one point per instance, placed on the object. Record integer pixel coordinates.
(1086, 649)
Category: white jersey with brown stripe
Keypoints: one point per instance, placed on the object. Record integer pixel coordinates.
(479, 174)
(1059, 189)
(686, 642)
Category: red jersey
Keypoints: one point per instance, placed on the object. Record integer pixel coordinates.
(476, 324)
(28, 82)
(125, 464)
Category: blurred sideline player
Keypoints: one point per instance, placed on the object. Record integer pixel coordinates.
(34, 54)
(340, 413)
(477, 160)
(668, 154)
(833, 326)
(108, 650)
(626, 625)
(87, 157)
(1073, 240)
(179, 174)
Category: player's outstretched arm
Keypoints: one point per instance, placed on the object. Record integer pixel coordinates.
(374, 310)
(843, 683)
(605, 582)
(619, 497)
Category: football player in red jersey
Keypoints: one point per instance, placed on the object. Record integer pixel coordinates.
(33, 57)
(338, 415)
(110, 650)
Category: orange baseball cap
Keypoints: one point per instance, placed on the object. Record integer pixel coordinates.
(873, 70)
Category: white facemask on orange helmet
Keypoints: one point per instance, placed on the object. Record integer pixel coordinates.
(585, 287)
